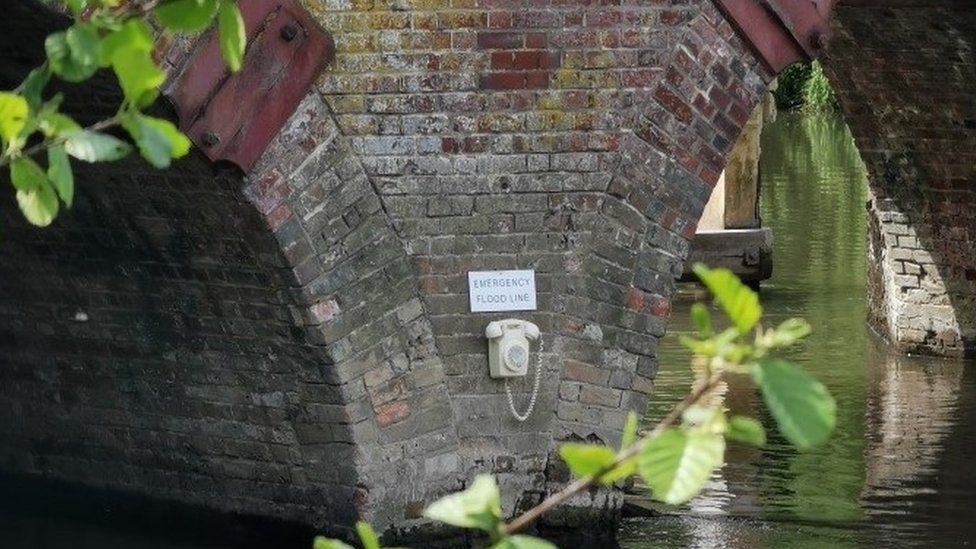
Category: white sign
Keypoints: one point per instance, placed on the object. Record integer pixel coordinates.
(492, 291)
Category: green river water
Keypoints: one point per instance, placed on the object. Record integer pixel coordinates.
(899, 469)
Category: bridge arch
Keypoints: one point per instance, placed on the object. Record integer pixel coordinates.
(898, 71)
(581, 140)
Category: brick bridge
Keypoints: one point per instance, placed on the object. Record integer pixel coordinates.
(296, 341)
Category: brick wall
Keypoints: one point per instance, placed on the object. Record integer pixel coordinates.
(904, 79)
(578, 138)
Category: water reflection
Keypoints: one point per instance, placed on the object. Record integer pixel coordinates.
(913, 408)
(883, 478)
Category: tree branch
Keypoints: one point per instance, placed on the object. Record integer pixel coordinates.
(47, 144)
(525, 519)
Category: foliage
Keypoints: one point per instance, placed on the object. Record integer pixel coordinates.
(789, 86)
(802, 407)
(477, 507)
(804, 86)
(679, 455)
(111, 35)
(818, 96)
(676, 463)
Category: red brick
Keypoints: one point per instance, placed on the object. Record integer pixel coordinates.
(527, 59)
(449, 145)
(391, 412)
(537, 79)
(499, 19)
(500, 40)
(719, 98)
(278, 216)
(703, 106)
(502, 60)
(579, 371)
(648, 303)
(674, 104)
(536, 40)
(324, 311)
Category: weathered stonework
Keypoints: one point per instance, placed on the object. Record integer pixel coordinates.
(504, 139)
(904, 77)
(297, 342)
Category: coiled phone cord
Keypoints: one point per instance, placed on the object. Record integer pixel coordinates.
(535, 388)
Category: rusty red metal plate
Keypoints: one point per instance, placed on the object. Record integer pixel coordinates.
(781, 32)
(234, 117)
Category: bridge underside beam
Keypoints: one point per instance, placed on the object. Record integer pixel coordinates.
(781, 32)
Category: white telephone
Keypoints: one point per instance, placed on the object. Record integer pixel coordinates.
(508, 356)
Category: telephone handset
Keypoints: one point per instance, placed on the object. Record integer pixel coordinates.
(508, 356)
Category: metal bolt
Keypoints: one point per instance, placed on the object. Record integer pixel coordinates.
(209, 139)
(289, 32)
(818, 40)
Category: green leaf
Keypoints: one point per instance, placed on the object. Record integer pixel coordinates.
(676, 464)
(129, 52)
(477, 507)
(60, 174)
(699, 347)
(715, 345)
(523, 542)
(326, 543)
(135, 36)
(34, 194)
(13, 115)
(85, 44)
(77, 6)
(95, 147)
(159, 141)
(746, 430)
(630, 430)
(187, 15)
(702, 319)
(74, 54)
(25, 174)
(624, 469)
(788, 333)
(233, 40)
(53, 124)
(586, 459)
(139, 77)
(706, 418)
(739, 302)
(802, 407)
(33, 86)
(367, 535)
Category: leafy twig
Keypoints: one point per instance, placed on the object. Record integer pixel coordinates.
(525, 519)
(59, 140)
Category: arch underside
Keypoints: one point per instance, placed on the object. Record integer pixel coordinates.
(150, 340)
(902, 75)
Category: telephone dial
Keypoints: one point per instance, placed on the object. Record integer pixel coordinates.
(508, 357)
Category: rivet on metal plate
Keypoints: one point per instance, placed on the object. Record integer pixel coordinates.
(289, 32)
(209, 139)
